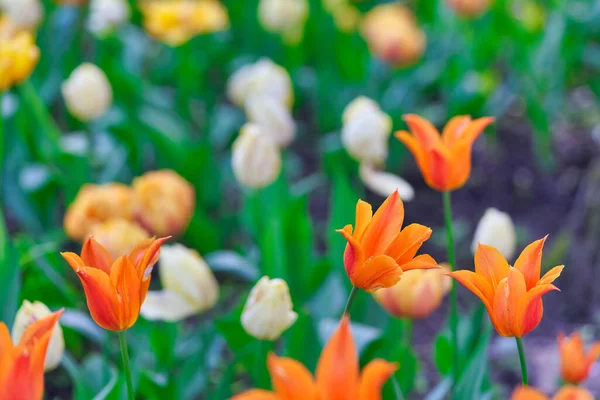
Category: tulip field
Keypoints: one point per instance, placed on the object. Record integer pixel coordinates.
(300, 199)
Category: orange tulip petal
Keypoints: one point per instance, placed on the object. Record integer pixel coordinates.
(6, 354)
(256, 394)
(126, 282)
(551, 275)
(419, 153)
(491, 264)
(95, 255)
(337, 370)
(373, 377)
(530, 261)
(101, 297)
(454, 129)
(291, 380)
(570, 392)
(478, 285)
(439, 167)
(527, 393)
(150, 256)
(423, 130)
(423, 261)
(39, 328)
(74, 260)
(594, 353)
(508, 294)
(353, 254)
(364, 214)
(406, 244)
(378, 272)
(531, 308)
(384, 226)
(475, 128)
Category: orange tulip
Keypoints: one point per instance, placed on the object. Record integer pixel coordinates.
(565, 393)
(418, 294)
(444, 161)
(511, 295)
(575, 364)
(378, 252)
(22, 366)
(115, 290)
(337, 376)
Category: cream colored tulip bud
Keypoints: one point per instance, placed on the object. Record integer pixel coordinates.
(285, 17)
(27, 315)
(263, 78)
(118, 235)
(255, 157)
(24, 14)
(106, 16)
(273, 118)
(496, 229)
(366, 131)
(87, 92)
(189, 286)
(384, 183)
(268, 311)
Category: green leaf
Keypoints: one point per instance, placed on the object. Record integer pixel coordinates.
(442, 355)
(10, 278)
(470, 383)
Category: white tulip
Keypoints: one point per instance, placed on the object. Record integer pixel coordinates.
(286, 17)
(87, 92)
(29, 313)
(189, 286)
(24, 14)
(384, 183)
(268, 311)
(255, 158)
(273, 118)
(106, 16)
(496, 229)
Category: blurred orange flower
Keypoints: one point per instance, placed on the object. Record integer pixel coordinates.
(469, 8)
(418, 294)
(115, 290)
(378, 252)
(444, 161)
(575, 364)
(22, 366)
(511, 295)
(567, 392)
(337, 376)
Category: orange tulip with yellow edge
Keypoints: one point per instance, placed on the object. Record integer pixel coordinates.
(567, 392)
(417, 295)
(337, 378)
(444, 160)
(575, 363)
(115, 289)
(22, 366)
(378, 252)
(511, 295)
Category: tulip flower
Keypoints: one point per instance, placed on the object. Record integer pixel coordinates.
(378, 252)
(337, 375)
(163, 202)
(25, 14)
(22, 366)
(87, 92)
(18, 56)
(106, 16)
(268, 311)
(256, 157)
(496, 229)
(189, 286)
(567, 392)
(96, 204)
(575, 363)
(511, 295)
(383, 183)
(284, 17)
(118, 236)
(273, 118)
(115, 290)
(444, 161)
(27, 315)
(418, 294)
(469, 8)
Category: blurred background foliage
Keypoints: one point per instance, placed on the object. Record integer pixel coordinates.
(531, 64)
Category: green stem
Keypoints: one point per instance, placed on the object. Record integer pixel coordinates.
(350, 300)
(453, 297)
(408, 325)
(39, 110)
(264, 346)
(397, 390)
(523, 361)
(126, 367)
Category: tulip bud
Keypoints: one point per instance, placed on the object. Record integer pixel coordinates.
(118, 236)
(268, 311)
(496, 229)
(255, 157)
(164, 202)
(272, 117)
(87, 92)
(95, 204)
(106, 16)
(25, 14)
(418, 293)
(189, 286)
(346, 17)
(29, 313)
(469, 8)
(18, 55)
(286, 17)
(392, 33)
(384, 183)
(263, 78)
(366, 131)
